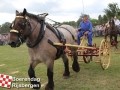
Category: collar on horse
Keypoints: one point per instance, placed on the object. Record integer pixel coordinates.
(40, 35)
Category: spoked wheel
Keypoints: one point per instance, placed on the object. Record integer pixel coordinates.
(104, 54)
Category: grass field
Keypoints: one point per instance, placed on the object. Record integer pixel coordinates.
(15, 62)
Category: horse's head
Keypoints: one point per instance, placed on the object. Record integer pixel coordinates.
(112, 23)
(20, 29)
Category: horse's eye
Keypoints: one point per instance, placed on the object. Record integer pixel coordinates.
(23, 24)
(21, 31)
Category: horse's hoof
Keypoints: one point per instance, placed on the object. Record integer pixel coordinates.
(36, 85)
(48, 88)
(66, 77)
(36, 88)
(66, 74)
(76, 68)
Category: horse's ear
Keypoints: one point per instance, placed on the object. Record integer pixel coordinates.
(17, 12)
(24, 12)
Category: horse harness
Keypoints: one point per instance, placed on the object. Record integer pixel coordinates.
(59, 35)
(40, 35)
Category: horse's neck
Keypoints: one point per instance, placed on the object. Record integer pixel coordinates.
(112, 26)
(34, 31)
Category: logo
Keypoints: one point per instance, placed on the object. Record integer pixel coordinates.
(5, 81)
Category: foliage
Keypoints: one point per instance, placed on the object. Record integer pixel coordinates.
(105, 19)
(72, 23)
(112, 10)
(94, 22)
(100, 19)
(5, 28)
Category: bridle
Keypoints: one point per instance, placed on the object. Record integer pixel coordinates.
(19, 32)
(27, 22)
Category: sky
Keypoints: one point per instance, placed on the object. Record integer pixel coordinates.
(59, 10)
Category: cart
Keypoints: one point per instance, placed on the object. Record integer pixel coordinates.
(102, 52)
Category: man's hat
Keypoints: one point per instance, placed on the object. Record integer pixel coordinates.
(85, 15)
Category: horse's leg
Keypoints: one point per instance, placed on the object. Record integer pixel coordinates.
(106, 34)
(110, 39)
(50, 84)
(75, 65)
(115, 38)
(31, 73)
(66, 65)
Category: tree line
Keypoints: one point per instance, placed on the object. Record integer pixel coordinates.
(5, 28)
(111, 11)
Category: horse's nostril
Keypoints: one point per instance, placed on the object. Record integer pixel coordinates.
(11, 43)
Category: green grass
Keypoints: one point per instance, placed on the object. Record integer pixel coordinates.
(91, 76)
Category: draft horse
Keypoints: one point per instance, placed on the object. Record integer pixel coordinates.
(112, 31)
(33, 30)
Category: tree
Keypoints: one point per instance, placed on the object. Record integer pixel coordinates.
(105, 19)
(100, 19)
(5, 28)
(94, 22)
(72, 23)
(112, 10)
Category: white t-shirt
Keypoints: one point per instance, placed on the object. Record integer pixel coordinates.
(117, 22)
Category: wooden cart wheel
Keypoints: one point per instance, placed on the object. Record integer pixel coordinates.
(104, 54)
(86, 59)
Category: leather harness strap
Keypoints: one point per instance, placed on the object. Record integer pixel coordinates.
(60, 36)
(40, 35)
(69, 32)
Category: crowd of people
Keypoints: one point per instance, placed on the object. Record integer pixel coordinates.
(99, 30)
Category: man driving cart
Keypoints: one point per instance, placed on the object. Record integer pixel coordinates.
(85, 28)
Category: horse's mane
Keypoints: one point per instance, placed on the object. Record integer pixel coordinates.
(30, 15)
(111, 22)
(36, 17)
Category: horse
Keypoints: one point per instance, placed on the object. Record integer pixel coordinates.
(37, 34)
(112, 31)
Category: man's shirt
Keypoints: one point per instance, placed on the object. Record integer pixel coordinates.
(117, 22)
(85, 26)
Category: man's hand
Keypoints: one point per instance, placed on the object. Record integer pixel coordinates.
(86, 32)
(79, 29)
